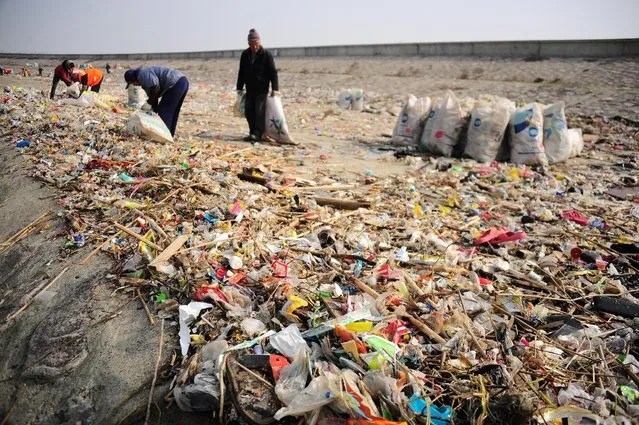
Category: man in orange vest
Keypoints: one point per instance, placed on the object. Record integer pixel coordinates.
(89, 78)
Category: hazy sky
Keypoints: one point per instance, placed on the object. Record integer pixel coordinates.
(130, 26)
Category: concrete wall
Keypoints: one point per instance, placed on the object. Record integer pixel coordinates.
(501, 49)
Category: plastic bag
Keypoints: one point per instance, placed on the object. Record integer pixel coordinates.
(357, 99)
(292, 380)
(84, 101)
(319, 392)
(410, 122)
(150, 126)
(445, 126)
(556, 142)
(203, 395)
(136, 96)
(526, 136)
(488, 123)
(74, 90)
(252, 327)
(275, 125)
(576, 141)
(289, 342)
(344, 99)
(239, 107)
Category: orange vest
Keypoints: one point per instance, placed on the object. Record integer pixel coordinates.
(94, 76)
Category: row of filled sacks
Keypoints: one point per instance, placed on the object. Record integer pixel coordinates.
(488, 129)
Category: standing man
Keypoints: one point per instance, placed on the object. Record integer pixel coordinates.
(40, 70)
(257, 70)
(90, 79)
(108, 68)
(62, 72)
(161, 82)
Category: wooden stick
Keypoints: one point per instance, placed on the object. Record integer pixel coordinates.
(136, 236)
(30, 300)
(26, 227)
(155, 375)
(146, 307)
(170, 251)
(423, 327)
(322, 188)
(344, 204)
(236, 152)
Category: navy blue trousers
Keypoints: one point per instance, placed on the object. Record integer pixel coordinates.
(171, 103)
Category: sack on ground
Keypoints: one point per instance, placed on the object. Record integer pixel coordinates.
(240, 106)
(150, 126)
(488, 123)
(444, 126)
(275, 125)
(344, 99)
(556, 143)
(526, 136)
(357, 99)
(136, 96)
(576, 141)
(410, 122)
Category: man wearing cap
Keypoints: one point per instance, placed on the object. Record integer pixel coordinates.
(257, 70)
(62, 73)
(161, 82)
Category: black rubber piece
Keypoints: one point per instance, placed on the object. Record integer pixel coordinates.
(616, 306)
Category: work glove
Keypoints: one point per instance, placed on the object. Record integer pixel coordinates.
(146, 107)
(275, 93)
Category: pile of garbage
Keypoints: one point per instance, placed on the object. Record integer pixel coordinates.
(489, 129)
(462, 293)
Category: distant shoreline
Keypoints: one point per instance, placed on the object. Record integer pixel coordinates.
(540, 49)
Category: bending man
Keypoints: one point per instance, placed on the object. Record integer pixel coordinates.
(161, 82)
(62, 73)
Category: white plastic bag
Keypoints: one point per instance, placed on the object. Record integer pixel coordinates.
(357, 99)
(488, 123)
(275, 126)
(136, 96)
(410, 122)
(526, 136)
(556, 143)
(239, 107)
(252, 327)
(85, 100)
(74, 90)
(289, 342)
(444, 126)
(576, 141)
(150, 126)
(292, 380)
(344, 99)
(319, 393)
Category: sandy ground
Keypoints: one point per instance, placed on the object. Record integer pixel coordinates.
(354, 143)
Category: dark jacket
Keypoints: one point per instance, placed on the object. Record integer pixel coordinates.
(259, 74)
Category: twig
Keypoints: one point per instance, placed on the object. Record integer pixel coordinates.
(34, 296)
(155, 374)
(146, 308)
(136, 236)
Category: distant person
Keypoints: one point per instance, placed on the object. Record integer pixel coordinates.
(161, 82)
(62, 73)
(90, 79)
(40, 71)
(108, 68)
(257, 70)
(25, 72)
